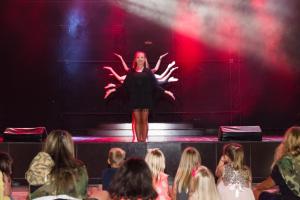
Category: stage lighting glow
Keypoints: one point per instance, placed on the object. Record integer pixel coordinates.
(74, 22)
(74, 40)
(252, 27)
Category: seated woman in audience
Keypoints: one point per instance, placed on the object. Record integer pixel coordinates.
(285, 170)
(156, 162)
(133, 181)
(116, 157)
(190, 159)
(234, 176)
(65, 177)
(203, 186)
(5, 176)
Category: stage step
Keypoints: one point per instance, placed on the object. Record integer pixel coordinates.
(155, 129)
(152, 126)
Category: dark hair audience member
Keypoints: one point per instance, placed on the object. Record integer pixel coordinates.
(5, 176)
(133, 181)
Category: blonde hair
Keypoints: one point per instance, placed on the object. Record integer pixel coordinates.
(116, 156)
(59, 145)
(203, 186)
(290, 144)
(190, 158)
(156, 162)
(134, 60)
(57, 140)
(292, 141)
(235, 152)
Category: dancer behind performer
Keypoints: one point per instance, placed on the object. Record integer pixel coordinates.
(141, 86)
(234, 176)
(161, 78)
(285, 170)
(153, 70)
(156, 162)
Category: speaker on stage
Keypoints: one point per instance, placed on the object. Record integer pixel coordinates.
(35, 134)
(240, 133)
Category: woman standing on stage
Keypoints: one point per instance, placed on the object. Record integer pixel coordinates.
(141, 86)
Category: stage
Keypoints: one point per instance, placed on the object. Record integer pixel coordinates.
(92, 148)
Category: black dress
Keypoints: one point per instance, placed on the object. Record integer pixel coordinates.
(142, 88)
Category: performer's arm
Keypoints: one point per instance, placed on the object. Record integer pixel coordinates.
(158, 63)
(158, 88)
(165, 78)
(113, 73)
(166, 71)
(123, 62)
(109, 92)
(110, 85)
(170, 94)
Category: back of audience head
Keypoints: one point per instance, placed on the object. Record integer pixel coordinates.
(116, 157)
(290, 144)
(203, 185)
(235, 153)
(133, 181)
(190, 158)
(292, 141)
(59, 145)
(156, 162)
(6, 164)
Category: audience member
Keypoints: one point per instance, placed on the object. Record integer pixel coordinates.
(156, 162)
(133, 181)
(5, 176)
(68, 177)
(203, 186)
(116, 157)
(190, 159)
(234, 176)
(285, 170)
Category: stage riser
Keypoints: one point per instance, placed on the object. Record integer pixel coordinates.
(259, 156)
(155, 129)
(126, 133)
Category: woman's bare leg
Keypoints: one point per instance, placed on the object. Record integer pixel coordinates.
(144, 124)
(133, 124)
(137, 123)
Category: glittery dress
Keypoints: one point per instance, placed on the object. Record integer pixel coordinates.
(235, 184)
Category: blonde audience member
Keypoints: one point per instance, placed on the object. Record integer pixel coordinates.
(234, 176)
(190, 159)
(156, 162)
(203, 186)
(285, 170)
(116, 157)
